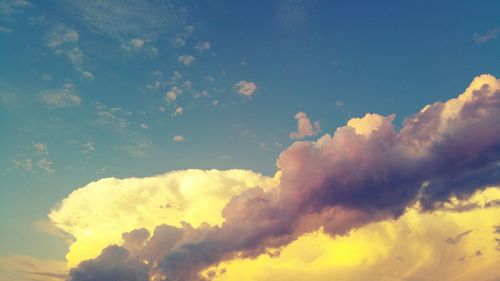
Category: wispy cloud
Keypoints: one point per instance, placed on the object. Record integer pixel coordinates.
(123, 20)
(488, 36)
(62, 97)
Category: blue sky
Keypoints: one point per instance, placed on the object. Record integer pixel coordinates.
(83, 86)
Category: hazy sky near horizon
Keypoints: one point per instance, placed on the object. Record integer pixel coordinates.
(131, 89)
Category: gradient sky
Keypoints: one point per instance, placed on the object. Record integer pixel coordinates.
(98, 89)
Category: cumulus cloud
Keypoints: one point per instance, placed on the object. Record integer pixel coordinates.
(245, 88)
(193, 196)
(366, 172)
(178, 138)
(172, 94)
(304, 127)
(186, 59)
(63, 97)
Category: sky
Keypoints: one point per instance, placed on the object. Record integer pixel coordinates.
(249, 140)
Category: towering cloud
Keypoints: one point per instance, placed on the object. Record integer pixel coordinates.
(365, 172)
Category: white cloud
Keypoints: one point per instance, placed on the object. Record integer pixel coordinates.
(304, 127)
(11, 7)
(488, 36)
(144, 126)
(63, 97)
(186, 59)
(202, 46)
(133, 44)
(61, 35)
(87, 75)
(171, 95)
(178, 138)
(4, 29)
(178, 111)
(88, 147)
(245, 88)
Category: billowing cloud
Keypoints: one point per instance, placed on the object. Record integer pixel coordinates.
(193, 196)
(245, 88)
(365, 173)
(304, 127)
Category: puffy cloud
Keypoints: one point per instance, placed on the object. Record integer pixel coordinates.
(171, 95)
(63, 97)
(178, 138)
(186, 59)
(304, 127)
(202, 46)
(178, 111)
(245, 88)
(366, 173)
(114, 263)
(97, 214)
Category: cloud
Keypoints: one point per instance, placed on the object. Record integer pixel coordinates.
(202, 46)
(61, 35)
(366, 173)
(113, 264)
(186, 59)
(61, 98)
(63, 41)
(488, 36)
(178, 138)
(177, 112)
(304, 127)
(172, 94)
(4, 29)
(245, 88)
(27, 268)
(193, 196)
(122, 20)
(12, 7)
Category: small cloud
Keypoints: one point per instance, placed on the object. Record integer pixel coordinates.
(304, 127)
(47, 77)
(339, 104)
(12, 7)
(178, 111)
(245, 88)
(226, 157)
(186, 59)
(210, 78)
(88, 147)
(63, 97)
(87, 75)
(215, 103)
(178, 138)
(144, 126)
(133, 44)
(171, 95)
(61, 35)
(4, 29)
(202, 46)
(488, 36)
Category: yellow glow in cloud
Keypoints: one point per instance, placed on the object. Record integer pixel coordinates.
(97, 214)
(424, 247)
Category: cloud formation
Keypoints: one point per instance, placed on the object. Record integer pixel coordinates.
(63, 97)
(366, 172)
(245, 88)
(304, 127)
